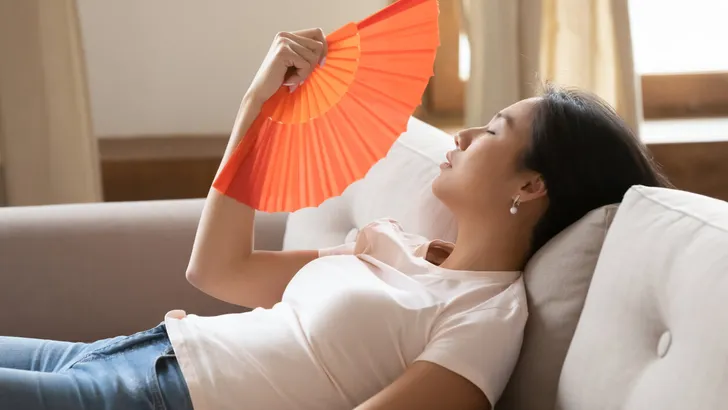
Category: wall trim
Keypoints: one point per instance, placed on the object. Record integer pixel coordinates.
(162, 147)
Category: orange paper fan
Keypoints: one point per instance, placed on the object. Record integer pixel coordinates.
(309, 145)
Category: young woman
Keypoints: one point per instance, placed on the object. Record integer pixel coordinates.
(394, 321)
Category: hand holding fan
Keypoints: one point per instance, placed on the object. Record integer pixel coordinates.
(309, 145)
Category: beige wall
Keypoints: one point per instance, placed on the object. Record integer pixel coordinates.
(181, 66)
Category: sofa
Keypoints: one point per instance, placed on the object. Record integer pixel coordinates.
(627, 307)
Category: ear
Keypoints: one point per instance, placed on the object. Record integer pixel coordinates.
(534, 188)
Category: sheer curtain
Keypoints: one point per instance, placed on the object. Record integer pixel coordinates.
(517, 44)
(588, 44)
(48, 151)
(504, 54)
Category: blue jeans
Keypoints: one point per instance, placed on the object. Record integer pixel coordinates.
(125, 372)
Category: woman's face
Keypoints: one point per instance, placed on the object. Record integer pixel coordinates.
(483, 175)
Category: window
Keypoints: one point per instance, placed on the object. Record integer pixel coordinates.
(678, 49)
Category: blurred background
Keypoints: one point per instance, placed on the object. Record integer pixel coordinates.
(108, 100)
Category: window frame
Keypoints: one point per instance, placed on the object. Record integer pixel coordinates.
(664, 95)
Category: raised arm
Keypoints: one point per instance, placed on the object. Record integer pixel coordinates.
(223, 262)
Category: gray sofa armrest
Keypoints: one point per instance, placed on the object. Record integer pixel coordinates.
(88, 271)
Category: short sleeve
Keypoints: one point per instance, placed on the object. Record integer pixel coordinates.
(481, 345)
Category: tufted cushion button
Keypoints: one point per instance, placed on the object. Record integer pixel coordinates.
(663, 345)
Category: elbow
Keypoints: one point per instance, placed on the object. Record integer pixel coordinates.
(203, 276)
(193, 276)
(197, 275)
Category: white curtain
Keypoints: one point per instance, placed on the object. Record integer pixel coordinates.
(48, 152)
(518, 44)
(504, 43)
(588, 44)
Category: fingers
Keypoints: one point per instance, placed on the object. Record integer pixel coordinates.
(292, 59)
(315, 34)
(304, 70)
(310, 55)
(302, 50)
(317, 47)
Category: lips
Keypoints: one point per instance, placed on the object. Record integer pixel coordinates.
(448, 163)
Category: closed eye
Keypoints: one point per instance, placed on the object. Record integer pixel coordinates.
(490, 132)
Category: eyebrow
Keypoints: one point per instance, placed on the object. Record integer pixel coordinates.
(508, 118)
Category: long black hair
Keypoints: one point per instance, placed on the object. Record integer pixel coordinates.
(588, 157)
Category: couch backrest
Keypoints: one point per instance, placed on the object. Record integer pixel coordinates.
(653, 333)
(89, 271)
(557, 281)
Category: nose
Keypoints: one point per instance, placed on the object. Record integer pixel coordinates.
(463, 139)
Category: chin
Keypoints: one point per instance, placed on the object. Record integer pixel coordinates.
(439, 187)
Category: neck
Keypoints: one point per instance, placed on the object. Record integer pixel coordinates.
(487, 245)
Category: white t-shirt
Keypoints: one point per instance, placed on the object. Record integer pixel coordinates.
(350, 324)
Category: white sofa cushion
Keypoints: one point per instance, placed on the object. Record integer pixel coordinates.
(397, 187)
(557, 280)
(653, 333)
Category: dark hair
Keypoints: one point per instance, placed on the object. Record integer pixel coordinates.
(588, 157)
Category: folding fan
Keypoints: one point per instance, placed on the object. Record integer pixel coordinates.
(309, 145)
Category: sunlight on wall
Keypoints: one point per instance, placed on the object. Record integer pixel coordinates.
(464, 57)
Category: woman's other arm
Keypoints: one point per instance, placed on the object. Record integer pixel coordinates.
(428, 386)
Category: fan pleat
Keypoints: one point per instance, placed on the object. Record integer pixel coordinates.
(389, 11)
(424, 28)
(363, 149)
(307, 109)
(293, 179)
(374, 126)
(265, 164)
(251, 167)
(394, 97)
(346, 48)
(319, 97)
(308, 183)
(338, 152)
(291, 112)
(280, 108)
(387, 107)
(420, 13)
(396, 74)
(324, 170)
(332, 77)
(406, 88)
(397, 63)
(283, 147)
(342, 73)
(397, 45)
(311, 144)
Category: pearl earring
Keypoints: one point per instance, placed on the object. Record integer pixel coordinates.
(516, 204)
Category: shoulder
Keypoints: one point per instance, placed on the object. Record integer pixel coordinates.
(512, 298)
(480, 313)
(482, 344)
(505, 309)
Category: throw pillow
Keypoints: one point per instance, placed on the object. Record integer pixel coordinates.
(557, 279)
